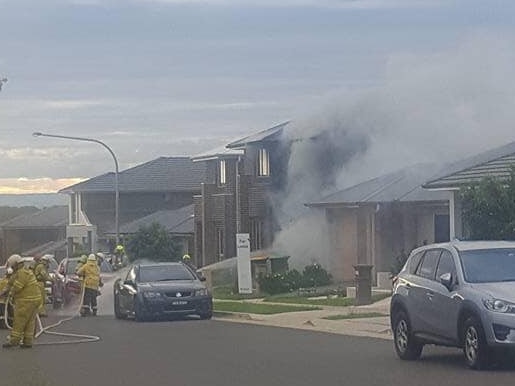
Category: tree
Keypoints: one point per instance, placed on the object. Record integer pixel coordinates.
(489, 208)
(152, 242)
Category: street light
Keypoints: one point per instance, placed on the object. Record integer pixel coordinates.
(117, 192)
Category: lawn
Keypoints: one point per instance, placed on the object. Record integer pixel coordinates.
(258, 308)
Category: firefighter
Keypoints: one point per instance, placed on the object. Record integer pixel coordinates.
(26, 296)
(3, 300)
(82, 261)
(42, 276)
(186, 259)
(90, 274)
(119, 253)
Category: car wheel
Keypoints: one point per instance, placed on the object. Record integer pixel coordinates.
(475, 349)
(206, 315)
(117, 312)
(406, 346)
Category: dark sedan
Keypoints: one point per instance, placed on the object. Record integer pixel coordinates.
(161, 289)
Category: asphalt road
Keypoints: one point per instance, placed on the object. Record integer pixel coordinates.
(194, 352)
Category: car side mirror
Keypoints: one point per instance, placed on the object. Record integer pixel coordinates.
(446, 280)
(61, 270)
(202, 278)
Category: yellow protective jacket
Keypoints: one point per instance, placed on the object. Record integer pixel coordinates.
(41, 273)
(91, 274)
(24, 286)
(3, 283)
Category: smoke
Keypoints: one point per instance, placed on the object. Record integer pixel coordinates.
(434, 108)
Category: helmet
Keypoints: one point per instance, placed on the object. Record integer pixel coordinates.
(14, 260)
(46, 258)
(186, 257)
(83, 259)
(101, 255)
(92, 257)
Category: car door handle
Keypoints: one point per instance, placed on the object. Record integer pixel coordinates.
(430, 294)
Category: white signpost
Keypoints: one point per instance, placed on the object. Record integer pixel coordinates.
(243, 259)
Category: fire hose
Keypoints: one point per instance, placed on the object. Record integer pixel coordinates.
(78, 338)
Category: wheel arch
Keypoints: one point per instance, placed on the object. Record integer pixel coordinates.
(467, 310)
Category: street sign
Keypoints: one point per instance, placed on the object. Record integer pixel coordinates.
(243, 261)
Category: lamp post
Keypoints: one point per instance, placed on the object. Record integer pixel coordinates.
(116, 189)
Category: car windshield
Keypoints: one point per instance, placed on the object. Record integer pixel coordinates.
(163, 273)
(71, 266)
(488, 265)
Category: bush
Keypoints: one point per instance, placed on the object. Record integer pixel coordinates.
(312, 276)
(315, 276)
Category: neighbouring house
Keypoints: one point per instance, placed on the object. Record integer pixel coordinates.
(166, 183)
(178, 223)
(234, 196)
(41, 232)
(377, 220)
(497, 162)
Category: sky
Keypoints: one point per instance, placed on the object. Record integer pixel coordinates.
(157, 78)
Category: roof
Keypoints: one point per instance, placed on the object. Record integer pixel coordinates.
(164, 174)
(55, 216)
(270, 134)
(220, 152)
(470, 245)
(403, 185)
(492, 163)
(179, 221)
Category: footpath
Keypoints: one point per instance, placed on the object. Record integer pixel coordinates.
(376, 327)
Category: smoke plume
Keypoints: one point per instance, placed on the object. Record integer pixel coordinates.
(434, 108)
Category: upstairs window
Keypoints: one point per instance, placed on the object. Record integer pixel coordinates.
(263, 163)
(222, 178)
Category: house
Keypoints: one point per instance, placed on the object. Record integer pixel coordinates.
(377, 220)
(234, 196)
(497, 162)
(178, 223)
(41, 232)
(166, 183)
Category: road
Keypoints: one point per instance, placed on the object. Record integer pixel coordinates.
(194, 352)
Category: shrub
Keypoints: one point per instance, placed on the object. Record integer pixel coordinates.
(315, 276)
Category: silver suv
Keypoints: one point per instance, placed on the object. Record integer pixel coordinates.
(459, 294)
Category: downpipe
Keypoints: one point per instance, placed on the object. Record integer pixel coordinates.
(78, 338)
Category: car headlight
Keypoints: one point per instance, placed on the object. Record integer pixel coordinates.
(151, 295)
(201, 292)
(498, 305)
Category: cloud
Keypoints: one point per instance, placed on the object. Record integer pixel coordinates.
(35, 185)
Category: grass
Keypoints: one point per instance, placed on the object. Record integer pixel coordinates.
(355, 316)
(339, 301)
(258, 308)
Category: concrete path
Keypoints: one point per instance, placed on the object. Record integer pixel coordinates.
(377, 327)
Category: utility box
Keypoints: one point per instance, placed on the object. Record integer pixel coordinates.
(363, 278)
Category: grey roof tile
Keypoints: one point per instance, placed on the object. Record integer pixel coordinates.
(179, 221)
(402, 185)
(164, 174)
(270, 134)
(496, 162)
(54, 216)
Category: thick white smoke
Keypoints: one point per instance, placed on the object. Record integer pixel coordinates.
(433, 108)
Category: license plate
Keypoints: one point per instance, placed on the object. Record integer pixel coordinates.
(179, 302)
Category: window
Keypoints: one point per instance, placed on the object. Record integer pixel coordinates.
(222, 180)
(220, 243)
(414, 262)
(427, 268)
(446, 265)
(256, 234)
(263, 163)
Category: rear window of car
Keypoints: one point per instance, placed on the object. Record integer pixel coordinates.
(414, 262)
(154, 273)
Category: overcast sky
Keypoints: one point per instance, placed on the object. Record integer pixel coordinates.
(165, 78)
